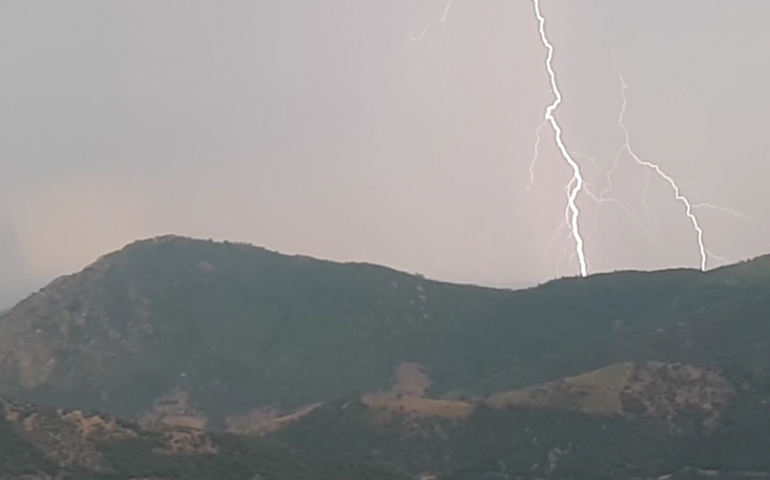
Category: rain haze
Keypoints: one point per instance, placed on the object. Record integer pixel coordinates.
(382, 131)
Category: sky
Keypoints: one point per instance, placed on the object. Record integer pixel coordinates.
(382, 131)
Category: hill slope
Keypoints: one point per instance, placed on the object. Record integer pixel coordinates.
(207, 334)
(350, 439)
(43, 443)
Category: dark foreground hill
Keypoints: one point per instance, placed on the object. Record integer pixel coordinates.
(232, 328)
(47, 444)
(349, 439)
(625, 375)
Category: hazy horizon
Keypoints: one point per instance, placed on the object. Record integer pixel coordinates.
(321, 129)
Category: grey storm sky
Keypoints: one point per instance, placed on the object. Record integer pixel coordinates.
(317, 128)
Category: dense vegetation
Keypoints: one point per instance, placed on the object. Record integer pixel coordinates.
(238, 327)
(339, 442)
(26, 452)
(524, 443)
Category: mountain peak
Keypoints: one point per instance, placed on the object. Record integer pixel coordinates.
(233, 328)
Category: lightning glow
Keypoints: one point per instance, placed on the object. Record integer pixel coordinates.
(577, 182)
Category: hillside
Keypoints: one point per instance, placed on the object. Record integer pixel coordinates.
(290, 367)
(645, 420)
(554, 441)
(208, 333)
(377, 439)
(45, 443)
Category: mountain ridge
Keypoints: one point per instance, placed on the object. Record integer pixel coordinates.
(170, 289)
(365, 365)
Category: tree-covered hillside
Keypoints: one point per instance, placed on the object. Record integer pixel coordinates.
(228, 328)
(44, 443)
(352, 370)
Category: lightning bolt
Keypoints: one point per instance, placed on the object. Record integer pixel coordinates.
(577, 185)
(657, 169)
(601, 199)
(577, 182)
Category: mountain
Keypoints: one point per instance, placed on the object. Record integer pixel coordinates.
(663, 373)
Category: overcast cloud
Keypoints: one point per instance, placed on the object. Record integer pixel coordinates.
(311, 127)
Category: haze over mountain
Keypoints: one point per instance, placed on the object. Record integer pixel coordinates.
(663, 372)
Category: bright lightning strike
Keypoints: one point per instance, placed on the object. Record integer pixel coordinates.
(674, 186)
(576, 184)
(600, 200)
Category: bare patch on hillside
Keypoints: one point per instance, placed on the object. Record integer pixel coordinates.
(595, 392)
(175, 410)
(420, 407)
(90, 426)
(411, 379)
(67, 438)
(653, 389)
(266, 420)
(408, 397)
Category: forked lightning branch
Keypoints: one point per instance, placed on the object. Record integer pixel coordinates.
(577, 184)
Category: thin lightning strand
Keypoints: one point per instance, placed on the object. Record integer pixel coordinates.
(535, 157)
(532, 164)
(412, 40)
(601, 200)
(677, 193)
(722, 209)
(441, 19)
(558, 231)
(577, 178)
